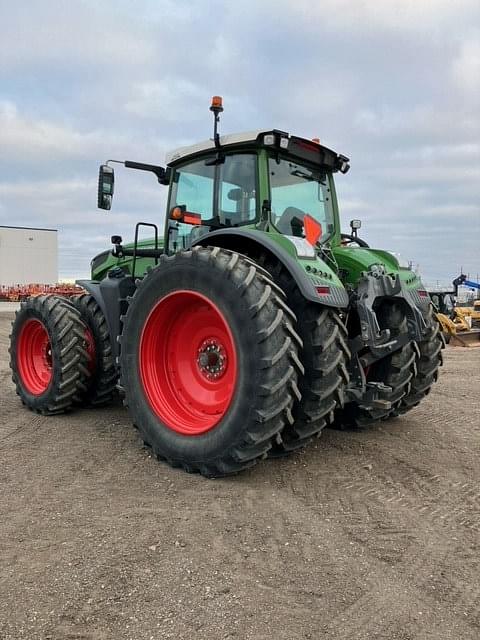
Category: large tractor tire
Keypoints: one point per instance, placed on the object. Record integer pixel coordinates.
(395, 371)
(102, 383)
(324, 356)
(208, 361)
(48, 355)
(428, 361)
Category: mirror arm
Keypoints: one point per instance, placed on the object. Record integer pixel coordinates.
(162, 174)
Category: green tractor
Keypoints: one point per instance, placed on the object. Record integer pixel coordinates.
(249, 326)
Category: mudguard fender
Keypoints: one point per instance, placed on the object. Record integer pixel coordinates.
(249, 242)
(111, 296)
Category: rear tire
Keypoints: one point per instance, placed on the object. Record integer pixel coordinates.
(324, 356)
(221, 416)
(102, 383)
(428, 361)
(48, 356)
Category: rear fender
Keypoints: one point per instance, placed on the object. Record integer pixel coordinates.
(254, 243)
(111, 296)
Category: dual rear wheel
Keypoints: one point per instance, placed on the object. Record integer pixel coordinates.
(48, 354)
(60, 354)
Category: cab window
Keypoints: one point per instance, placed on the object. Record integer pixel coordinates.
(224, 195)
(193, 187)
(298, 190)
(237, 187)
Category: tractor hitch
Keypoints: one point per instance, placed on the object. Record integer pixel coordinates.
(365, 394)
(376, 284)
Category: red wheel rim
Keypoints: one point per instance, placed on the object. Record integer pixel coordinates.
(188, 362)
(91, 351)
(34, 357)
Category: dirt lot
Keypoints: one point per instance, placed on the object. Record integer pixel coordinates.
(364, 535)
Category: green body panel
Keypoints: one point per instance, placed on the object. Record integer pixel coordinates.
(315, 268)
(100, 268)
(352, 261)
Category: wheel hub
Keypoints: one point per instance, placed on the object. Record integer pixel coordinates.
(212, 359)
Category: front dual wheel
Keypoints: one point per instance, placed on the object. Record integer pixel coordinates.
(49, 355)
(209, 361)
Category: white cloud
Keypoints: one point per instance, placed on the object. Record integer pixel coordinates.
(41, 144)
(429, 120)
(363, 16)
(466, 67)
(171, 100)
(21, 135)
(57, 33)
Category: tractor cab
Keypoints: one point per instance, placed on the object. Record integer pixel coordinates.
(264, 180)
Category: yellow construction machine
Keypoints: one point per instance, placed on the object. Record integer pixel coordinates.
(460, 325)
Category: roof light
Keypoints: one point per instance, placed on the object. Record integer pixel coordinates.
(342, 163)
(269, 139)
(316, 140)
(306, 144)
(217, 103)
(283, 143)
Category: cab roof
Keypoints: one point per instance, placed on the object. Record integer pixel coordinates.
(308, 150)
(205, 145)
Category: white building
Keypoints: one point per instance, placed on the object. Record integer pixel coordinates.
(28, 256)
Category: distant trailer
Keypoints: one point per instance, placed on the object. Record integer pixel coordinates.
(28, 255)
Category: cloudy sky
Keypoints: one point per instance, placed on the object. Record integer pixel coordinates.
(393, 85)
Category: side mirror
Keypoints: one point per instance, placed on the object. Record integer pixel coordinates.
(106, 181)
(355, 226)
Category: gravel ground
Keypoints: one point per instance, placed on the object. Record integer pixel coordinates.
(364, 535)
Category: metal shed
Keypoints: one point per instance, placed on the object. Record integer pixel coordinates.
(28, 255)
